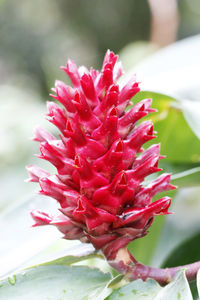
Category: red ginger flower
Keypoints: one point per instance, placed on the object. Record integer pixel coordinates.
(99, 175)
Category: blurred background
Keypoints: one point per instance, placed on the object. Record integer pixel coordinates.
(37, 37)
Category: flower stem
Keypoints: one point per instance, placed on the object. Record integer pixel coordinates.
(126, 264)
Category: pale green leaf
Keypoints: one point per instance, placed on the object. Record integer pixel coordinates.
(190, 177)
(178, 289)
(137, 290)
(54, 283)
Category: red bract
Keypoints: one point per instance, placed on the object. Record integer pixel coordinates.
(100, 170)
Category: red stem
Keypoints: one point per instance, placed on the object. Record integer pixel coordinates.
(126, 264)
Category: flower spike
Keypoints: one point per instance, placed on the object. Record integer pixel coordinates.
(99, 168)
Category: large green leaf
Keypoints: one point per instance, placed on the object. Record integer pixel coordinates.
(54, 283)
(137, 290)
(178, 142)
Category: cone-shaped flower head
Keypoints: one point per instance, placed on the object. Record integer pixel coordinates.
(99, 160)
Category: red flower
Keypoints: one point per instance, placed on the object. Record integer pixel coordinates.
(99, 172)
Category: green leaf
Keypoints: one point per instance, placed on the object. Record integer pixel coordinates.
(54, 283)
(186, 253)
(190, 177)
(178, 289)
(193, 288)
(143, 249)
(180, 226)
(183, 175)
(178, 142)
(137, 290)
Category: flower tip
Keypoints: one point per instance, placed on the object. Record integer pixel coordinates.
(162, 156)
(27, 180)
(40, 218)
(173, 187)
(69, 126)
(77, 163)
(119, 146)
(53, 89)
(53, 96)
(63, 68)
(152, 110)
(170, 213)
(113, 112)
(123, 179)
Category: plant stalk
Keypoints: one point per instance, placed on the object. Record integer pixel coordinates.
(126, 264)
